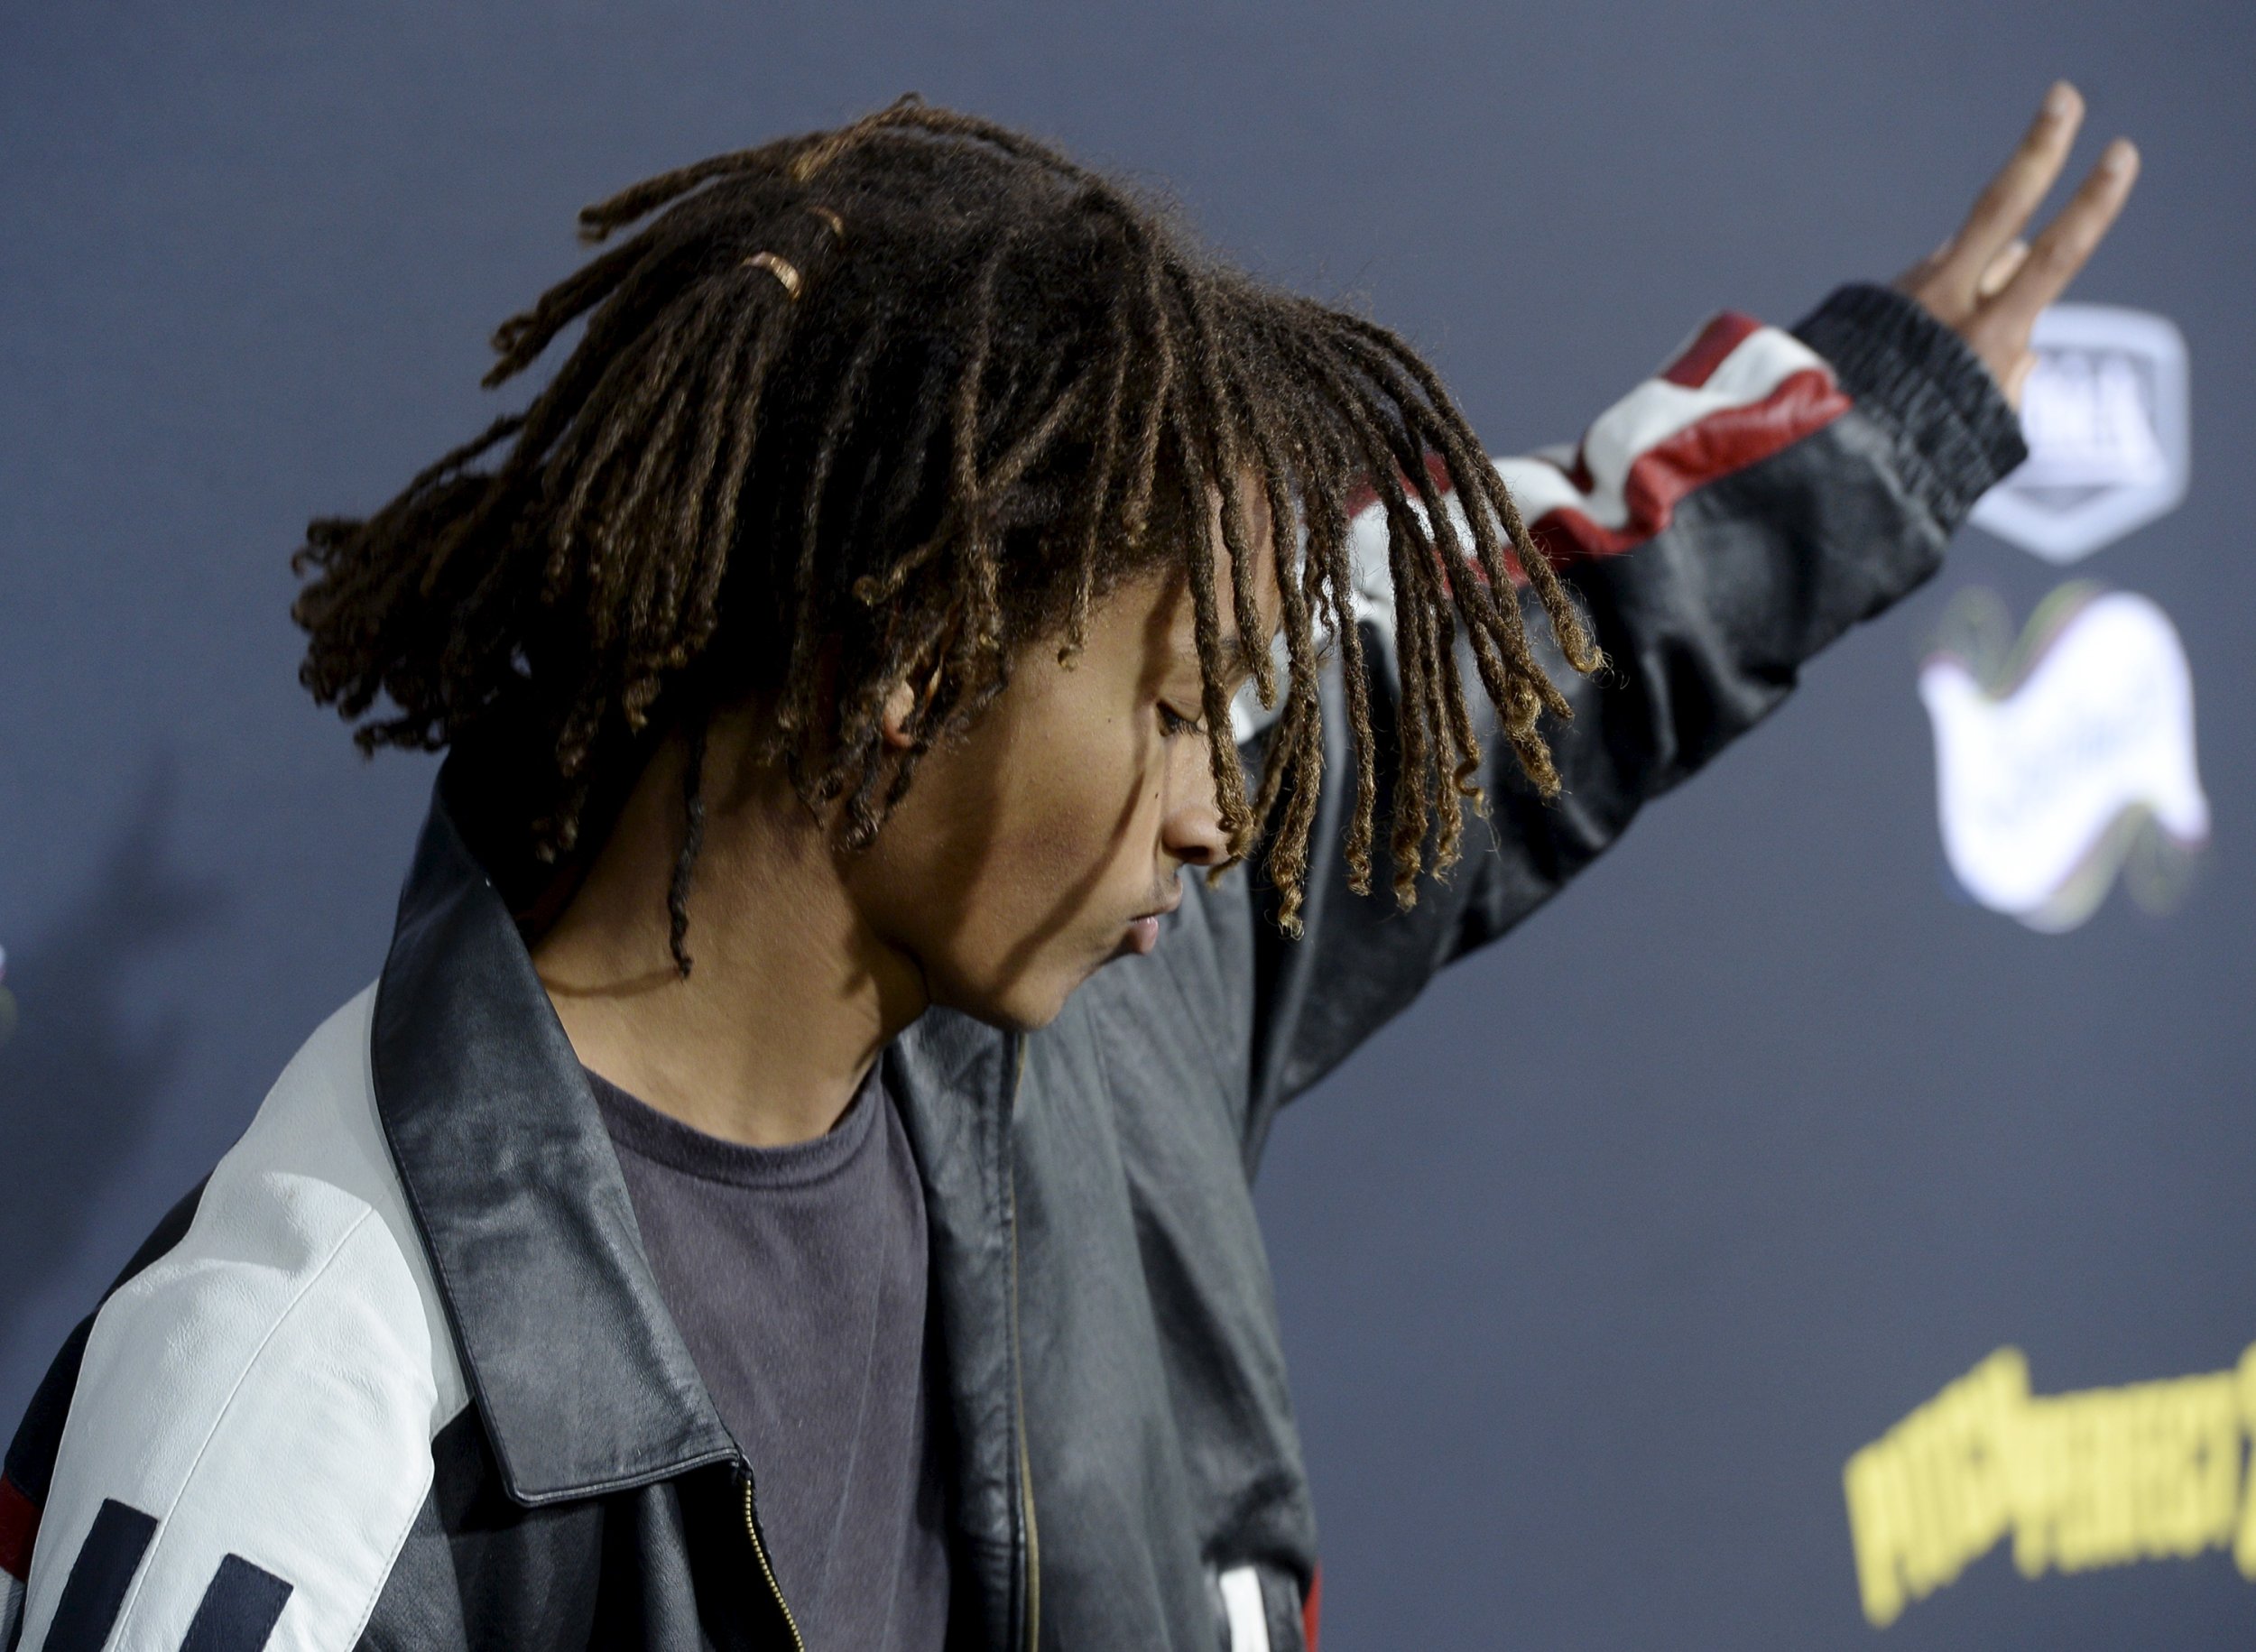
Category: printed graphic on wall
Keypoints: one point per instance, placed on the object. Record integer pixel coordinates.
(2105, 413)
(2065, 758)
(2152, 1471)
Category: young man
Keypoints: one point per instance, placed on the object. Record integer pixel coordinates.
(789, 1184)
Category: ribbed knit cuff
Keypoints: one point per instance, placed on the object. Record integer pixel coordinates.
(1919, 378)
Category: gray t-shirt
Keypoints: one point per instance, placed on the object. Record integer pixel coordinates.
(797, 1275)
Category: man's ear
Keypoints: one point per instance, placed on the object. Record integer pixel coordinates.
(899, 703)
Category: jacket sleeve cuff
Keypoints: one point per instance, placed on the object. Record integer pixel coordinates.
(1952, 424)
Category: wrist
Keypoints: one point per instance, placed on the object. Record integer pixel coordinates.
(1916, 376)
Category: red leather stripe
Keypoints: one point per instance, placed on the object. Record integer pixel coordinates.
(1729, 439)
(19, 1524)
(1312, 1609)
(1704, 353)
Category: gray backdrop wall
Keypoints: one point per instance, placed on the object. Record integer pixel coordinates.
(1588, 1309)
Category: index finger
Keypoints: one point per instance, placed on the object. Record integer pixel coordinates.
(2005, 204)
(2056, 255)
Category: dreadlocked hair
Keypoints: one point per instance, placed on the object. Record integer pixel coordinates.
(926, 390)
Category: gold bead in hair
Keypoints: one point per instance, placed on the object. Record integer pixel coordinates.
(782, 269)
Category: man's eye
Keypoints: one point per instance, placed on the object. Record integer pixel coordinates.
(1173, 723)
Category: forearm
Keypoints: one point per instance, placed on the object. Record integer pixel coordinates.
(1720, 525)
(1756, 569)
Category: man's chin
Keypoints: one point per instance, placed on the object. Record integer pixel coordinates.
(1018, 1020)
(1029, 1006)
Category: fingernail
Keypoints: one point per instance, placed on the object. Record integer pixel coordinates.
(2060, 100)
(2120, 157)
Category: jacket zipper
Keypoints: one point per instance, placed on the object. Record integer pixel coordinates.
(1025, 1462)
(1018, 1378)
(759, 1552)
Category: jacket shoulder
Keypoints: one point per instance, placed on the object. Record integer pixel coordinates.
(249, 1438)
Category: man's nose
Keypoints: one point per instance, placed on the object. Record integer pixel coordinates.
(1191, 827)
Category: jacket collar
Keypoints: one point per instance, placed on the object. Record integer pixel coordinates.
(582, 1379)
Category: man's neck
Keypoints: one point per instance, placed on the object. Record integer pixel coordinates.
(790, 997)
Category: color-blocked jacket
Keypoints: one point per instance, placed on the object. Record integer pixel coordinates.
(397, 1375)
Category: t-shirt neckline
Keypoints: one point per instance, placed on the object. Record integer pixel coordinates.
(650, 1133)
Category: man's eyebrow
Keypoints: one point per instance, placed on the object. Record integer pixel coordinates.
(1238, 660)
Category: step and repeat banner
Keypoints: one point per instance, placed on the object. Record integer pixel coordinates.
(1849, 1247)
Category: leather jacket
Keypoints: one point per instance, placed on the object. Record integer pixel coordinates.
(396, 1375)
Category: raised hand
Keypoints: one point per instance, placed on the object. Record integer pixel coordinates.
(1986, 282)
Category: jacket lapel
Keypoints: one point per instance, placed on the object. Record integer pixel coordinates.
(583, 1381)
(954, 1079)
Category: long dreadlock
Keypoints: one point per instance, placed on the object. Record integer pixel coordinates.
(926, 389)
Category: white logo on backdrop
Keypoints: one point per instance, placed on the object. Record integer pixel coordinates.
(2060, 764)
(2104, 414)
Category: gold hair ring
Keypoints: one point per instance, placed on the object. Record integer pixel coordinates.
(782, 269)
(838, 223)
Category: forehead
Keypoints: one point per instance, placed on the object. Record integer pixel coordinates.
(1268, 603)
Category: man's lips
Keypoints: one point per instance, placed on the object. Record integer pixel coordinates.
(1144, 930)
